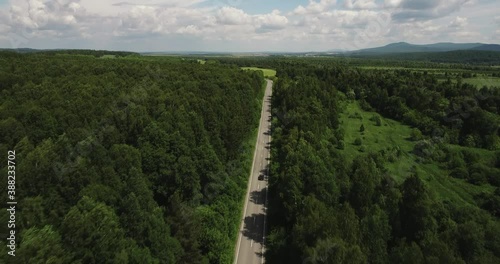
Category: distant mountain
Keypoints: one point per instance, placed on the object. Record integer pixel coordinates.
(403, 47)
(488, 47)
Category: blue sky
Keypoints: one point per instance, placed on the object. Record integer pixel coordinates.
(244, 25)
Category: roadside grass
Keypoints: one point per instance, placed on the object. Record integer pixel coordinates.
(267, 72)
(393, 135)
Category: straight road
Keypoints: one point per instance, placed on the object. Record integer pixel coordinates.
(251, 238)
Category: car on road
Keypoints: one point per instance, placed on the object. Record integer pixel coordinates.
(261, 177)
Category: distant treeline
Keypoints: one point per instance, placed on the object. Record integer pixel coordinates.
(88, 52)
(475, 57)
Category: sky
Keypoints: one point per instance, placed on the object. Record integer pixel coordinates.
(243, 25)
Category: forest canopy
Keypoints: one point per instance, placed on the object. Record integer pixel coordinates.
(126, 160)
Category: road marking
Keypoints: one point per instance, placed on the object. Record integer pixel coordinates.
(258, 186)
(251, 243)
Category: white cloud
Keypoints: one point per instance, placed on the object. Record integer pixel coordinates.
(319, 24)
(232, 16)
(314, 7)
(191, 29)
(392, 3)
(418, 10)
(360, 4)
(458, 22)
(271, 21)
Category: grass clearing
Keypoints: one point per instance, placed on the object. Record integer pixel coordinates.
(267, 72)
(392, 134)
(479, 82)
(374, 138)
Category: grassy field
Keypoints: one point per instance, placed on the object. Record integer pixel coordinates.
(108, 56)
(483, 81)
(374, 138)
(267, 72)
(391, 135)
(479, 81)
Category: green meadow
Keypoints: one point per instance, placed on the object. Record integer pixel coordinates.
(480, 82)
(392, 136)
(267, 72)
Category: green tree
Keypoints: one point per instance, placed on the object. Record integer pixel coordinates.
(407, 253)
(376, 234)
(91, 240)
(416, 135)
(416, 218)
(42, 245)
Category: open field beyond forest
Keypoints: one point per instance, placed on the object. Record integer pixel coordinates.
(267, 72)
(480, 82)
(478, 78)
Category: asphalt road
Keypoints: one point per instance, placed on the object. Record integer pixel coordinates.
(251, 238)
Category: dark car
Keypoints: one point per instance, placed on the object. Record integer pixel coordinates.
(261, 177)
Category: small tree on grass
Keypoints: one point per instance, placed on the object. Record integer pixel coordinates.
(358, 142)
(362, 128)
(340, 144)
(416, 135)
(376, 119)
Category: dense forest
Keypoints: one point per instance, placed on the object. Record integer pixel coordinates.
(126, 160)
(325, 208)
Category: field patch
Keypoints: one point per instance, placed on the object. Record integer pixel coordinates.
(479, 82)
(267, 72)
(108, 56)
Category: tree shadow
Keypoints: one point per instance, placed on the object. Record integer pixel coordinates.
(264, 170)
(258, 197)
(254, 226)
